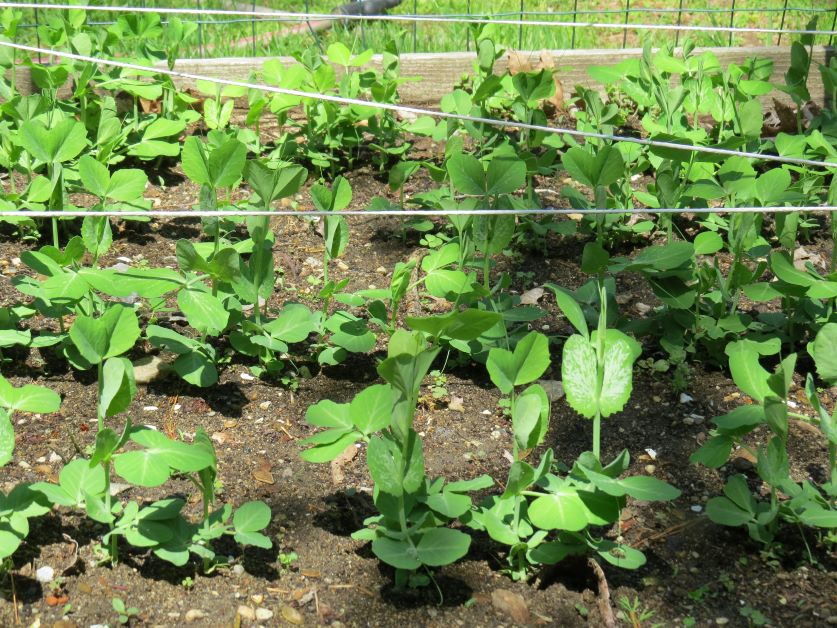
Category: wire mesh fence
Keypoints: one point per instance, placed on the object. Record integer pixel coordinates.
(447, 26)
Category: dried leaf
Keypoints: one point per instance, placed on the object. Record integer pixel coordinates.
(337, 476)
(531, 297)
(263, 472)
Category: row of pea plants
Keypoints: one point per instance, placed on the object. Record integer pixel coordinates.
(223, 285)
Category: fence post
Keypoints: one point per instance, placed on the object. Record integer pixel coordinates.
(200, 31)
(679, 22)
(731, 21)
(627, 16)
(253, 28)
(520, 27)
(833, 25)
(467, 27)
(782, 23)
(415, 27)
(575, 17)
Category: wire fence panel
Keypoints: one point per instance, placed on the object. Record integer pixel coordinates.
(236, 31)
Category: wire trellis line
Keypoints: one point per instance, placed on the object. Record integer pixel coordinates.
(426, 213)
(443, 115)
(436, 19)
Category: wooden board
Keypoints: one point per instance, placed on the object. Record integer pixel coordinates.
(436, 74)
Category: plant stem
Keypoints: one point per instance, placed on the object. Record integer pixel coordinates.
(100, 418)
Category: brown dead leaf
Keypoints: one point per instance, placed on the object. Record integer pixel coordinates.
(264, 472)
(337, 476)
(220, 437)
(151, 106)
(457, 404)
(511, 604)
(519, 62)
(291, 615)
(531, 297)
(230, 424)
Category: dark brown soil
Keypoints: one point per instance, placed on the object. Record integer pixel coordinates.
(696, 571)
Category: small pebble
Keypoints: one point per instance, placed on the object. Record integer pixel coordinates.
(721, 621)
(684, 398)
(194, 614)
(238, 569)
(696, 508)
(688, 420)
(45, 574)
(264, 405)
(150, 408)
(245, 612)
(263, 614)
(495, 434)
(257, 599)
(54, 458)
(247, 377)
(486, 412)
(650, 468)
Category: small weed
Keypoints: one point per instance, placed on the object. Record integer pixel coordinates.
(125, 613)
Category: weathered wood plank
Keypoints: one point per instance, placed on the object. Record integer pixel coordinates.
(436, 74)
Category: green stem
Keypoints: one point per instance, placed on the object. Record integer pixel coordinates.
(100, 418)
(600, 356)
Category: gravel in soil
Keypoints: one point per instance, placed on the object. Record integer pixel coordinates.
(318, 575)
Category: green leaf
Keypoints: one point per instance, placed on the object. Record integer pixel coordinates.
(384, 459)
(294, 324)
(256, 539)
(7, 438)
(570, 308)
(371, 409)
(750, 376)
(467, 174)
(449, 504)
(579, 375)
(528, 420)
(648, 488)
(328, 451)
(151, 465)
(442, 546)
(118, 387)
(723, 511)
(94, 175)
(714, 453)
(29, 398)
(204, 311)
(252, 516)
(61, 143)
(824, 352)
(505, 175)
(196, 369)
(114, 333)
(466, 325)
(601, 169)
(78, 478)
(561, 510)
(398, 554)
(529, 361)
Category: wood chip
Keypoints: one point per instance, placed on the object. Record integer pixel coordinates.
(511, 604)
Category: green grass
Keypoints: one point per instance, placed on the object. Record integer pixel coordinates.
(226, 39)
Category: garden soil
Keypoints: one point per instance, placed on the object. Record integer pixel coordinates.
(317, 574)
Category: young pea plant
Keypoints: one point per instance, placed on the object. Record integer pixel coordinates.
(505, 517)
(22, 503)
(86, 483)
(123, 189)
(490, 188)
(804, 503)
(215, 167)
(409, 534)
(54, 146)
